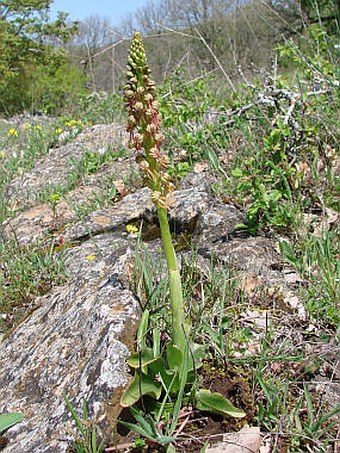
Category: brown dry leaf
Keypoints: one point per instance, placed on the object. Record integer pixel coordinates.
(302, 168)
(302, 171)
(256, 318)
(295, 304)
(121, 188)
(199, 167)
(250, 283)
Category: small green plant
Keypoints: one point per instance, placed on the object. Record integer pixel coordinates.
(316, 260)
(300, 421)
(165, 377)
(25, 273)
(87, 441)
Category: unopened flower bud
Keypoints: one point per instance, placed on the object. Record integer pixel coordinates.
(159, 137)
(139, 106)
(131, 120)
(139, 138)
(129, 94)
(143, 164)
(151, 128)
(148, 97)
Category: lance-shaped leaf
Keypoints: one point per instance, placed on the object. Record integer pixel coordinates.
(217, 403)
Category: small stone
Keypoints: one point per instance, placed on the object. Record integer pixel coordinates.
(246, 440)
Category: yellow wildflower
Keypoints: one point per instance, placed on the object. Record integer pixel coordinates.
(90, 257)
(12, 133)
(74, 124)
(132, 229)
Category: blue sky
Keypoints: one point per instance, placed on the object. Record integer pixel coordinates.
(113, 10)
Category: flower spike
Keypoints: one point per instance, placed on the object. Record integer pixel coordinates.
(144, 124)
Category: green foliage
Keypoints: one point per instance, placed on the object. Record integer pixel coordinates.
(165, 377)
(91, 161)
(182, 102)
(98, 108)
(288, 160)
(26, 273)
(9, 420)
(216, 403)
(147, 427)
(50, 91)
(302, 420)
(87, 440)
(316, 259)
(32, 67)
(184, 106)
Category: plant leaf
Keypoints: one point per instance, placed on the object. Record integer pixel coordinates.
(142, 329)
(137, 429)
(215, 402)
(142, 358)
(174, 357)
(145, 420)
(140, 387)
(9, 420)
(75, 417)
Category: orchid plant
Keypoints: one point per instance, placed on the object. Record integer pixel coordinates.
(166, 374)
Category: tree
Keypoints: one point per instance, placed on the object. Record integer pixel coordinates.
(313, 10)
(94, 34)
(29, 41)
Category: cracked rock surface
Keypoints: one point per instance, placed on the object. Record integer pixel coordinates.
(79, 335)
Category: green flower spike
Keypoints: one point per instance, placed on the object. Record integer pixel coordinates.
(146, 138)
(144, 125)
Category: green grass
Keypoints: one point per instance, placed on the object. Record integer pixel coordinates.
(317, 260)
(25, 274)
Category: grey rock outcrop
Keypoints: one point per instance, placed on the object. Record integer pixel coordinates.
(76, 344)
(54, 169)
(77, 339)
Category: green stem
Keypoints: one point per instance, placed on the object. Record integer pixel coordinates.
(176, 296)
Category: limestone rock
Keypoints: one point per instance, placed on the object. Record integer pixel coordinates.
(189, 205)
(218, 222)
(130, 209)
(55, 168)
(39, 221)
(255, 256)
(75, 343)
